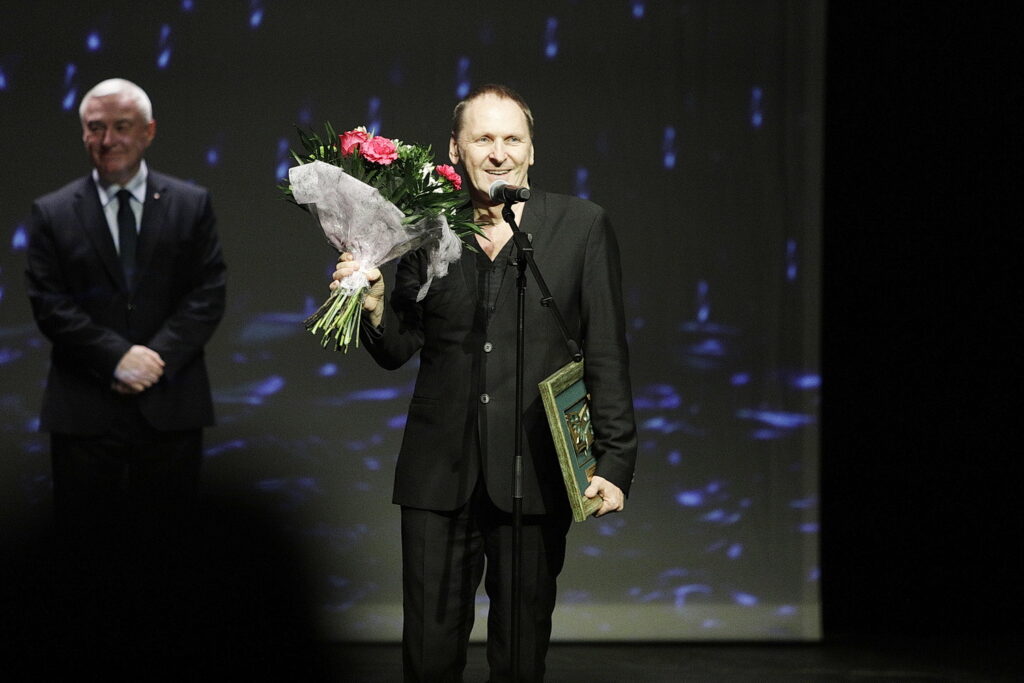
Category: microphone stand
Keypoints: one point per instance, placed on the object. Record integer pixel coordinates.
(524, 258)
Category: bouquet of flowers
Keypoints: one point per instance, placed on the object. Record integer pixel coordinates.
(377, 198)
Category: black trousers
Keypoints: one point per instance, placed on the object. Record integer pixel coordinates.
(135, 478)
(444, 557)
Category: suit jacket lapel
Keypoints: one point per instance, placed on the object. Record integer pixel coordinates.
(94, 224)
(153, 211)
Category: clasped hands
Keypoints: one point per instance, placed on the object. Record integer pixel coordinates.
(139, 369)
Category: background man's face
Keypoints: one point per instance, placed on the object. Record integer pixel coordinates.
(494, 144)
(115, 136)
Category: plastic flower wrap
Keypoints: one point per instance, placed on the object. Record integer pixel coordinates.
(378, 199)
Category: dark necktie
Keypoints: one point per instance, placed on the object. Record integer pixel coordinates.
(127, 235)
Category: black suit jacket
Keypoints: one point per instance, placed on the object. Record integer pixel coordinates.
(83, 305)
(466, 380)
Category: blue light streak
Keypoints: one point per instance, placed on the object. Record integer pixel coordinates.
(68, 103)
(283, 159)
(791, 260)
(462, 78)
(668, 148)
(638, 9)
(163, 58)
(550, 38)
(582, 183)
(683, 593)
(745, 599)
(92, 41)
(19, 241)
(256, 15)
(373, 115)
(756, 100)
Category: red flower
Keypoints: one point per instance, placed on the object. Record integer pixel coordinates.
(379, 150)
(446, 171)
(350, 140)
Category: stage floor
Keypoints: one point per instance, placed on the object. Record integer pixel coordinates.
(852, 659)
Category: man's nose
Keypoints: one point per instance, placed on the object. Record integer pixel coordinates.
(498, 152)
(108, 137)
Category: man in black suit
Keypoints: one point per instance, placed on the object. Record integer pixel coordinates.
(126, 279)
(454, 472)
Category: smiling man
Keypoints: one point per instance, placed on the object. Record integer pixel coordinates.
(126, 280)
(454, 475)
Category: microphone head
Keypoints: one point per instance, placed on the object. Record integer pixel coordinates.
(495, 191)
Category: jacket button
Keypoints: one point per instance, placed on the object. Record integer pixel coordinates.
(488, 346)
(485, 398)
(131, 307)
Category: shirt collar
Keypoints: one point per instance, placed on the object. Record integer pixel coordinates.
(136, 186)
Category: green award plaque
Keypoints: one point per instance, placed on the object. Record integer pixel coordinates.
(567, 405)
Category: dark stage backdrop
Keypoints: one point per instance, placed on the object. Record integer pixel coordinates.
(697, 125)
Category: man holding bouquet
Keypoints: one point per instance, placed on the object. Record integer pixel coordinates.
(454, 474)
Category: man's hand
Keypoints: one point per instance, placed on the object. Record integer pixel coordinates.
(374, 299)
(138, 370)
(610, 494)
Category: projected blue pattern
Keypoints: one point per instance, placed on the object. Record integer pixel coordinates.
(462, 83)
(722, 418)
(756, 115)
(551, 38)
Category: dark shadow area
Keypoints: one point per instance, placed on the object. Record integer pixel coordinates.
(921, 521)
(221, 596)
(892, 660)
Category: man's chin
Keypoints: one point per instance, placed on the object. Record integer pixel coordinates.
(116, 174)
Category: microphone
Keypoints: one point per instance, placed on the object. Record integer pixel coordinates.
(502, 192)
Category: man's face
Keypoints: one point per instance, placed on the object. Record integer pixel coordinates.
(116, 136)
(494, 144)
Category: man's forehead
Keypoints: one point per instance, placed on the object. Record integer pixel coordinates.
(491, 109)
(117, 105)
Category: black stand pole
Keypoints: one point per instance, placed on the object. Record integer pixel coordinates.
(524, 258)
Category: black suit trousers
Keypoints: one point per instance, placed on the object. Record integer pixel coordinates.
(132, 479)
(445, 555)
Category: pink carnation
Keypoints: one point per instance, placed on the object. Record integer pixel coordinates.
(446, 171)
(350, 140)
(380, 151)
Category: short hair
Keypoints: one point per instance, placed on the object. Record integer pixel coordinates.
(120, 86)
(490, 89)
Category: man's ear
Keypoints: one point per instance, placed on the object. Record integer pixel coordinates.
(453, 150)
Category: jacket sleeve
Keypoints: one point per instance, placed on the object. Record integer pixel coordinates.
(400, 334)
(607, 357)
(74, 333)
(198, 312)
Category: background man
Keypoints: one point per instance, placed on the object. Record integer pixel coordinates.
(454, 472)
(126, 279)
